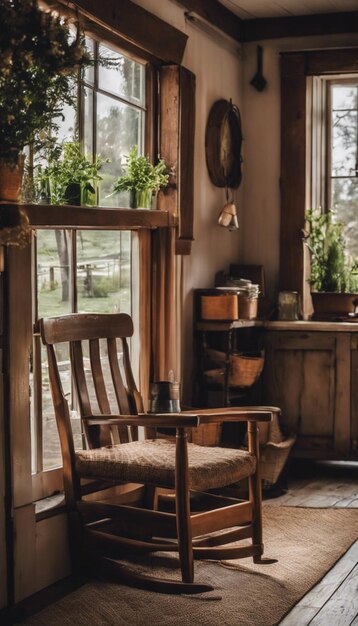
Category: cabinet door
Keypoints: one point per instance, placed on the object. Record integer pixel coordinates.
(307, 374)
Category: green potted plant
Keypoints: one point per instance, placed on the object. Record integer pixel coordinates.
(141, 179)
(69, 177)
(39, 64)
(333, 276)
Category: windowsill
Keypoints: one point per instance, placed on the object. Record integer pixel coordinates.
(69, 216)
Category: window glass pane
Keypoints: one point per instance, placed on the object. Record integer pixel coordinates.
(88, 120)
(119, 127)
(345, 204)
(53, 272)
(344, 143)
(104, 271)
(344, 97)
(89, 71)
(125, 80)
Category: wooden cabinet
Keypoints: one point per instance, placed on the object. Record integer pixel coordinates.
(312, 375)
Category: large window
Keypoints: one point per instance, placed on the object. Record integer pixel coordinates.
(318, 136)
(86, 270)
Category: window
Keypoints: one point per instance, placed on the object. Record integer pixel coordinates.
(304, 108)
(113, 105)
(342, 162)
(86, 270)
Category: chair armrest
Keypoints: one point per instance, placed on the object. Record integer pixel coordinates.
(189, 419)
(236, 414)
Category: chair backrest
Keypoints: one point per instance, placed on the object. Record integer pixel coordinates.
(103, 376)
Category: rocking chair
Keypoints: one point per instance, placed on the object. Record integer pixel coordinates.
(128, 474)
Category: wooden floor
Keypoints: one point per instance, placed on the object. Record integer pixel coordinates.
(334, 600)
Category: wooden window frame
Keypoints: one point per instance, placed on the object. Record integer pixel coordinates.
(296, 119)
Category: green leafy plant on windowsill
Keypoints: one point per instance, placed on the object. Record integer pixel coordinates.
(69, 177)
(331, 270)
(141, 179)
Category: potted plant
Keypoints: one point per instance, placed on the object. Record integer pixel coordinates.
(141, 179)
(39, 63)
(333, 276)
(69, 177)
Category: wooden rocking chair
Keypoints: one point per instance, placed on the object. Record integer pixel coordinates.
(125, 519)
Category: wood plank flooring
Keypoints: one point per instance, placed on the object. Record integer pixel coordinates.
(334, 600)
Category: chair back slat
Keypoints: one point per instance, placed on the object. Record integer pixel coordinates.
(97, 374)
(62, 414)
(119, 388)
(100, 389)
(135, 398)
(76, 355)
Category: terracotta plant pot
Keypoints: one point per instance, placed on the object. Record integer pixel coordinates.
(11, 175)
(331, 304)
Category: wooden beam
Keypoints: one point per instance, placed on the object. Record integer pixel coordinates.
(177, 128)
(136, 25)
(293, 170)
(329, 62)
(299, 26)
(218, 15)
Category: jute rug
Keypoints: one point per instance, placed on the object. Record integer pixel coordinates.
(306, 542)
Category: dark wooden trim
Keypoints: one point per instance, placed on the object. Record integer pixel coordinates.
(218, 15)
(293, 170)
(137, 26)
(332, 61)
(177, 128)
(67, 216)
(186, 156)
(299, 26)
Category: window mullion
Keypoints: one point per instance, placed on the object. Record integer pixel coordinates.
(73, 270)
(36, 370)
(37, 403)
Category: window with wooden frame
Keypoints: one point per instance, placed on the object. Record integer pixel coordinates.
(342, 156)
(314, 85)
(86, 270)
(85, 237)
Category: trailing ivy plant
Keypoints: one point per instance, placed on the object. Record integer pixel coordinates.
(331, 270)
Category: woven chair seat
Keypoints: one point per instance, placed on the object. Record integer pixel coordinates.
(153, 461)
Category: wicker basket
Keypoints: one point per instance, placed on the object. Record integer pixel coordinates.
(273, 458)
(274, 451)
(245, 370)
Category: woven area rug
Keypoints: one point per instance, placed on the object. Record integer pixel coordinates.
(306, 542)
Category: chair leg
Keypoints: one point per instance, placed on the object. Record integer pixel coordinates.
(183, 508)
(255, 490)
